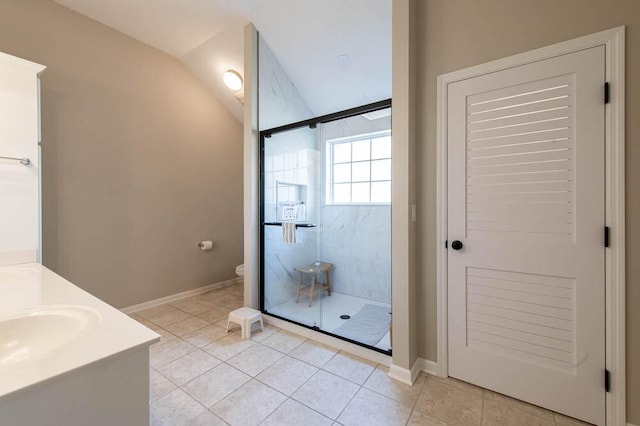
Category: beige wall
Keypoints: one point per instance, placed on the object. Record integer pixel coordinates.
(140, 161)
(455, 34)
(403, 241)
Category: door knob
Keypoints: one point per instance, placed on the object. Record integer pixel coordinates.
(456, 245)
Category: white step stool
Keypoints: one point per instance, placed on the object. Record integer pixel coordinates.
(245, 317)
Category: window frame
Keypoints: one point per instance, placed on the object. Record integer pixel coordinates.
(330, 165)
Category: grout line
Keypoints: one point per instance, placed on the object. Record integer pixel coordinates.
(411, 407)
(415, 403)
(310, 408)
(275, 390)
(151, 403)
(305, 382)
(188, 381)
(275, 409)
(348, 403)
(295, 359)
(197, 402)
(167, 379)
(375, 367)
(290, 397)
(410, 415)
(349, 380)
(216, 416)
(302, 403)
(279, 350)
(289, 353)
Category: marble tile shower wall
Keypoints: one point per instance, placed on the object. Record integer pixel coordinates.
(300, 167)
(291, 175)
(291, 157)
(357, 240)
(280, 260)
(279, 101)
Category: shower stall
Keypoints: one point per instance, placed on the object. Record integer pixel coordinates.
(326, 224)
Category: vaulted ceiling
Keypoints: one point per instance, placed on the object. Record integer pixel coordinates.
(309, 37)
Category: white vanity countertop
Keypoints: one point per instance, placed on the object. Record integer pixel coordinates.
(32, 285)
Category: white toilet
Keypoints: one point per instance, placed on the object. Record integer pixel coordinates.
(240, 270)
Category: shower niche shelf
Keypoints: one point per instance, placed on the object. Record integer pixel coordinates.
(291, 203)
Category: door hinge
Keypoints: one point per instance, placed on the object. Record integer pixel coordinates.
(446, 244)
(606, 92)
(606, 236)
(607, 381)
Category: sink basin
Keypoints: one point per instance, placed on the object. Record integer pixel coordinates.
(30, 334)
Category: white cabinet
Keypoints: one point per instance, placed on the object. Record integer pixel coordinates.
(19, 182)
(100, 375)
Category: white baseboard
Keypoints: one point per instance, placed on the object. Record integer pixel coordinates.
(629, 424)
(401, 374)
(427, 366)
(194, 292)
(334, 342)
(409, 377)
(18, 257)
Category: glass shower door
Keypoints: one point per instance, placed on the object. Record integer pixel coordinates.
(356, 227)
(326, 232)
(292, 289)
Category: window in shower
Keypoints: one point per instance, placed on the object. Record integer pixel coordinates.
(359, 169)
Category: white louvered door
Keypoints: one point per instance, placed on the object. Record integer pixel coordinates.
(526, 200)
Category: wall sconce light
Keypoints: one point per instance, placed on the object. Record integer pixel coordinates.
(232, 80)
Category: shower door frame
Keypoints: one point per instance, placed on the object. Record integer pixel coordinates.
(311, 123)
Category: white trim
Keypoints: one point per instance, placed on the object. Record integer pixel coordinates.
(334, 342)
(401, 374)
(189, 293)
(403, 183)
(428, 367)
(614, 42)
(251, 171)
(409, 377)
(416, 368)
(615, 281)
(16, 257)
(29, 65)
(603, 38)
(442, 227)
(39, 249)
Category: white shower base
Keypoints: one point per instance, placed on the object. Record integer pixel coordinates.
(325, 312)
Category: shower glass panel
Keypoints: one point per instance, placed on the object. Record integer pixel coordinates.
(291, 198)
(326, 235)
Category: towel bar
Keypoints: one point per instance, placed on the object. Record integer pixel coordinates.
(298, 225)
(23, 161)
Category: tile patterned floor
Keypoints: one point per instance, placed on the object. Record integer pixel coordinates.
(201, 375)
